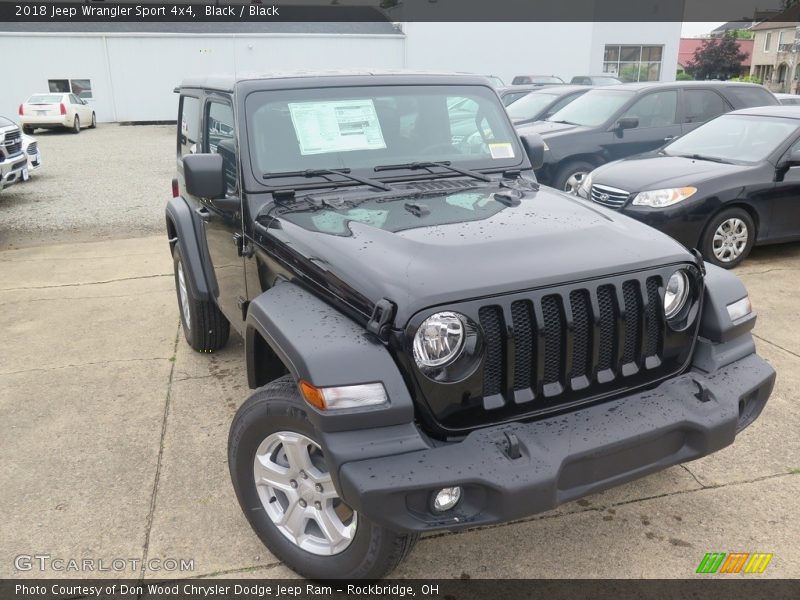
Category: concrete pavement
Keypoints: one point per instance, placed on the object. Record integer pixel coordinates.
(114, 433)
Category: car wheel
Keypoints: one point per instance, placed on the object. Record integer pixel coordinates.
(728, 238)
(27, 130)
(285, 489)
(76, 125)
(204, 326)
(571, 175)
(94, 122)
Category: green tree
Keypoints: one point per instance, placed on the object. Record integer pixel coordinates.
(717, 58)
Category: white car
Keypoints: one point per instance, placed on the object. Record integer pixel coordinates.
(30, 147)
(48, 111)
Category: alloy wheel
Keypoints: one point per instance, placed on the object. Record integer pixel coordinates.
(298, 495)
(574, 182)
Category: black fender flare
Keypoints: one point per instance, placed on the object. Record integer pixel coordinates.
(179, 220)
(318, 344)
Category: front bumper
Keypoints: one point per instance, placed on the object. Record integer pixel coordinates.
(11, 170)
(561, 458)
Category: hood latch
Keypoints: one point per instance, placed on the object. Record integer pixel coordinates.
(381, 320)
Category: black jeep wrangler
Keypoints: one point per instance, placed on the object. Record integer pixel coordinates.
(436, 342)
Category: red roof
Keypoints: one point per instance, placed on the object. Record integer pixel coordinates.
(689, 45)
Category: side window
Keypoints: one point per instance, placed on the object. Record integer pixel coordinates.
(657, 109)
(703, 105)
(219, 139)
(189, 120)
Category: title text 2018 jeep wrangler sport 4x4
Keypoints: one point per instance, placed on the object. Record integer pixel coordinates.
(436, 342)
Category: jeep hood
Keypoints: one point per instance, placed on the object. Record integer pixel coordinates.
(549, 238)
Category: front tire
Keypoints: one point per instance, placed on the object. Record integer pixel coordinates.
(571, 175)
(284, 487)
(76, 125)
(728, 238)
(94, 122)
(204, 326)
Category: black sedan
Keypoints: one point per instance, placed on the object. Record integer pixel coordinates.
(722, 188)
(543, 103)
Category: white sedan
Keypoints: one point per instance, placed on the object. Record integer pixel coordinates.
(48, 111)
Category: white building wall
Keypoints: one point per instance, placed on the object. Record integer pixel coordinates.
(143, 69)
(502, 49)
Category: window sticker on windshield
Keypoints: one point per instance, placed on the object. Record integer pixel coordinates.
(336, 126)
(504, 150)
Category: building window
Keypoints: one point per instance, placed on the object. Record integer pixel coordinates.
(633, 63)
(82, 88)
(58, 86)
(767, 42)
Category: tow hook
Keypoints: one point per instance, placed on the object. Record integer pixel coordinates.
(511, 446)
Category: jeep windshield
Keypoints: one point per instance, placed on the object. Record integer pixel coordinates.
(291, 132)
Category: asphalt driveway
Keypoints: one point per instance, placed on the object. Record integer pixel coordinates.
(113, 436)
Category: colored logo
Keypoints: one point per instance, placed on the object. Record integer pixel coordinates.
(734, 562)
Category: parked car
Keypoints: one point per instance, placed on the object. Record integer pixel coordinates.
(435, 341)
(30, 147)
(543, 103)
(788, 99)
(595, 80)
(722, 188)
(537, 79)
(50, 111)
(13, 166)
(613, 122)
(511, 93)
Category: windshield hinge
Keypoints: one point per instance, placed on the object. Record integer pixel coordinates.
(380, 322)
(281, 196)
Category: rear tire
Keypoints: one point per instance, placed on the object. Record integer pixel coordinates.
(27, 130)
(728, 238)
(204, 326)
(272, 425)
(76, 125)
(570, 176)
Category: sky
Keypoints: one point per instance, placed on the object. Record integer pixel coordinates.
(697, 29)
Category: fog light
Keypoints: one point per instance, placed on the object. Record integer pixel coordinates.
(446, 498)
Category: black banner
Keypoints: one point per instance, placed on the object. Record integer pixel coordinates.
(89, 11)
(711, 587)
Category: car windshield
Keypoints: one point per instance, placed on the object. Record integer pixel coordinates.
(44, 99)
(594, 108)
(360, 128)
(396, 214)
(605, 81)
(530, 106)
(735, 138)
(546, 79)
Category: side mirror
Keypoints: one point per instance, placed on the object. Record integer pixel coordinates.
(793, 160)
(204, 175)
(626, 123)
(534, 148)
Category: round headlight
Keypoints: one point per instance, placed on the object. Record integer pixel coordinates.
(676, 294)
(439, 340)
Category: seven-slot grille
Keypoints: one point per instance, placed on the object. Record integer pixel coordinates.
(609, 196)
(551, 346)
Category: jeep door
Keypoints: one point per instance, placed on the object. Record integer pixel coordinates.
(657, 113)
(222, 218)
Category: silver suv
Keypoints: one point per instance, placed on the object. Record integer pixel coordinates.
(12, 160)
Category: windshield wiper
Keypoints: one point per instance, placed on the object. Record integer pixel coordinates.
(445, 164)
(308, 173)
(703, 157)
